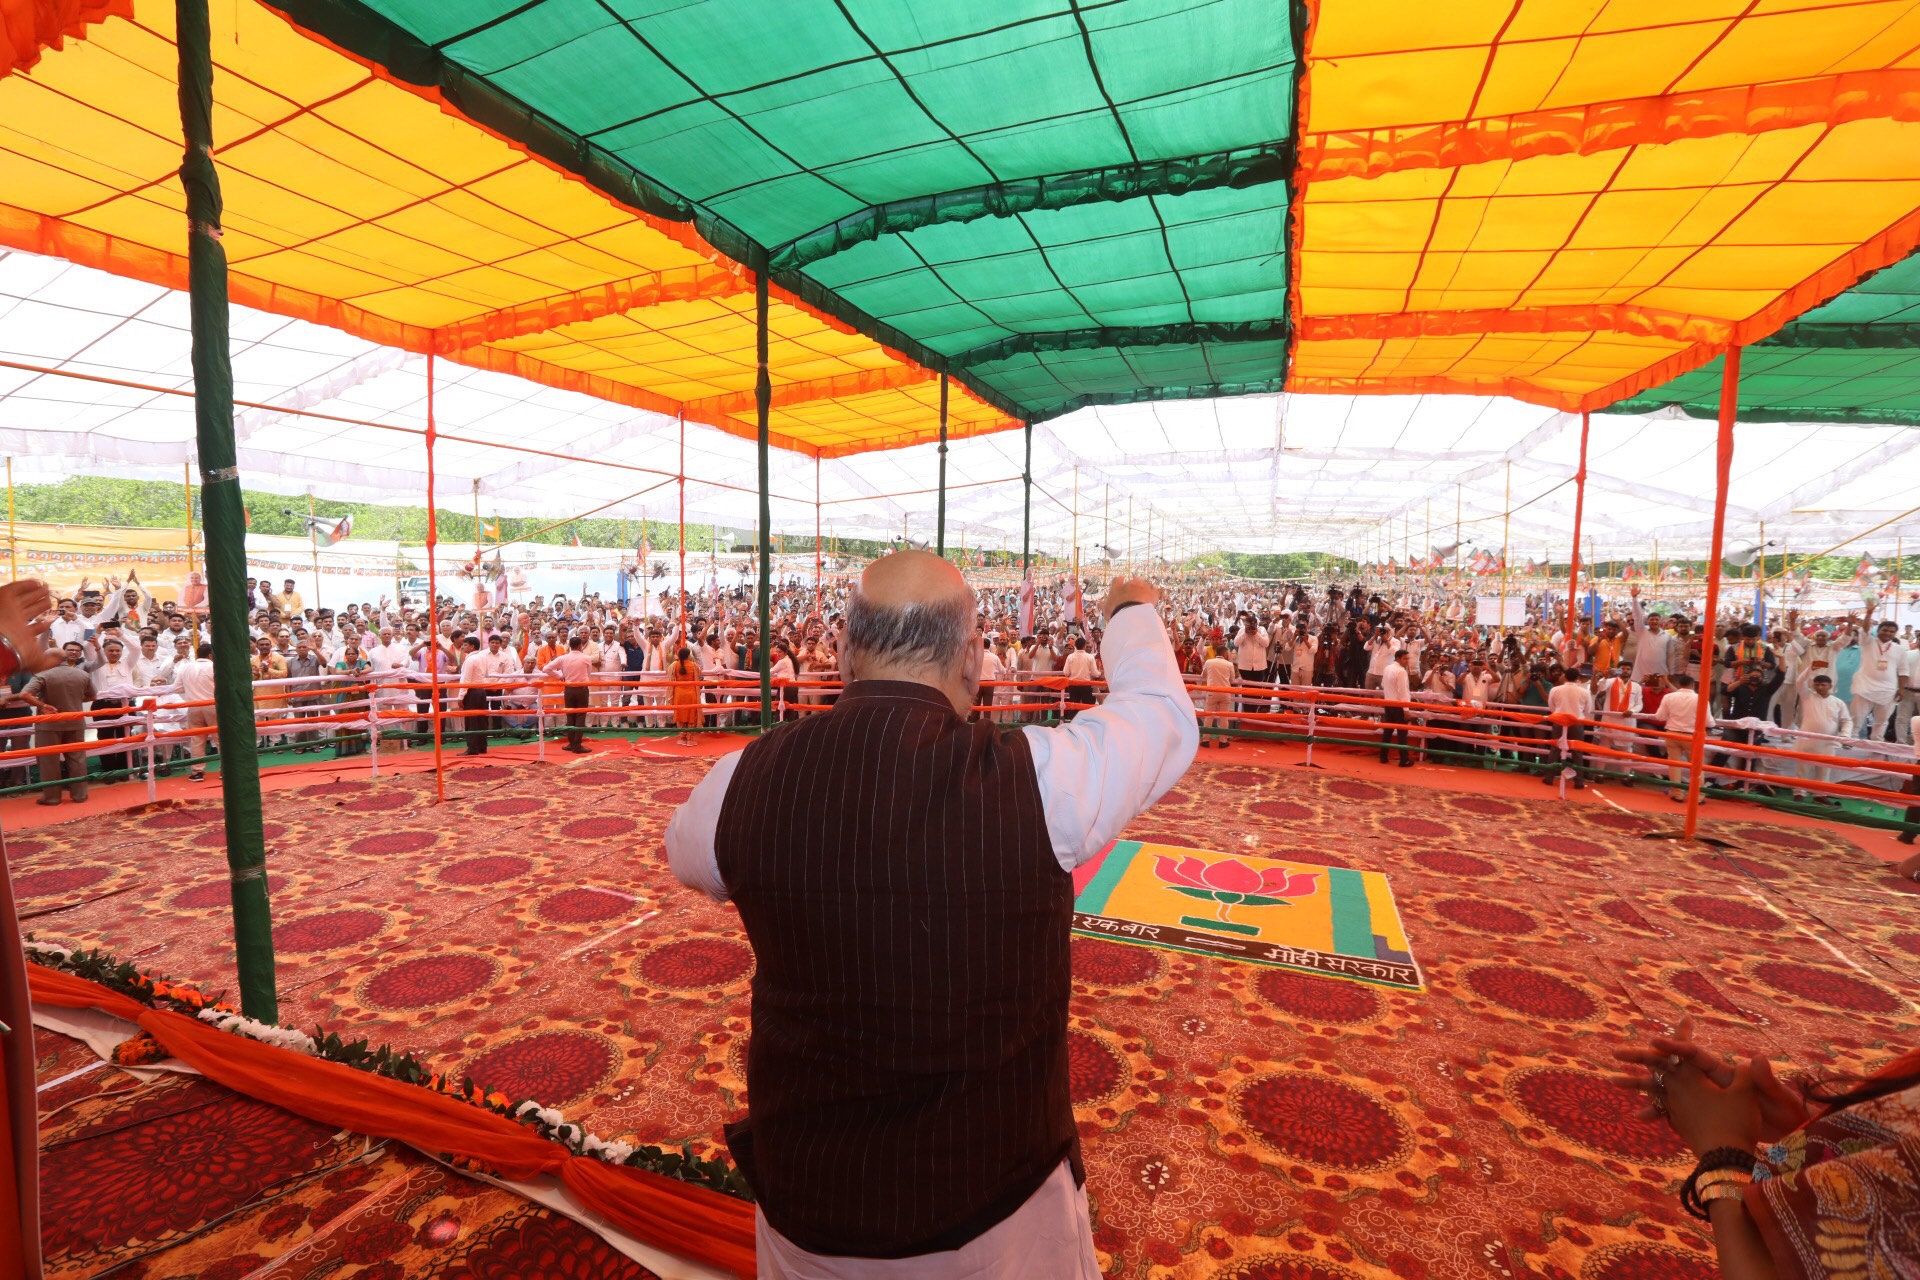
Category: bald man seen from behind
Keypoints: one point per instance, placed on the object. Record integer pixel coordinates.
(905, 878)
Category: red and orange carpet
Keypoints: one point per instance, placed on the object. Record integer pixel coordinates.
(1239, 1122)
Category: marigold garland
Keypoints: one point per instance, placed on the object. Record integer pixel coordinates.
(715, 1174)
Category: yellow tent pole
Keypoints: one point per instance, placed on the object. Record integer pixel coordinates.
(1506, 525)
(1458, 491)
(315, 544)
(186, 484)
(13, 545)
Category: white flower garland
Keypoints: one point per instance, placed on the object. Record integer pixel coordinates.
(547, 1121)
(265, 1033)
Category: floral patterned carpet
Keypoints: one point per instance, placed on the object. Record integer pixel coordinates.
(1238, 1122)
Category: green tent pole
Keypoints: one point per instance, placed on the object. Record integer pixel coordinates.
(224, 521)
(940, 529)
(1026, 508)
(763, 403)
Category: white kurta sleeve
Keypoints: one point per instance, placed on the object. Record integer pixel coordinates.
(690, 833)
(1100, 769)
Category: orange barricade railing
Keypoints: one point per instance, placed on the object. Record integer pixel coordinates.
(1315, 715)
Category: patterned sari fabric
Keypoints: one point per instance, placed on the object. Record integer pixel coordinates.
(1248, 1123)
(1839, 1198)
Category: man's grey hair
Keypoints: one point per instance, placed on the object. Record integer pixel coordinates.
(930, 634)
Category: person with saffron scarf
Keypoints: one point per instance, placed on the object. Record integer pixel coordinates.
(1814, 1183)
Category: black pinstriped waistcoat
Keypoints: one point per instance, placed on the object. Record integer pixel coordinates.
(907, 1073)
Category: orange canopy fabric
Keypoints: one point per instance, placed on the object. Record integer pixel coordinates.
(28, 26)
(1570, 203)
(357, 203)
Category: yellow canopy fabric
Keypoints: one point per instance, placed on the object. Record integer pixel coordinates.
(1572, 202)
(357, 203)
(1565, 201)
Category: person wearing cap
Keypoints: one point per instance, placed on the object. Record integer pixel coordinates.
(1821, 712)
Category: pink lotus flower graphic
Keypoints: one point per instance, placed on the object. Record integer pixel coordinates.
(1229, 883)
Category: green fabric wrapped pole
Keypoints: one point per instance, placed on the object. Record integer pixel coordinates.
(224, 522)
(940, 530)
(763, 405)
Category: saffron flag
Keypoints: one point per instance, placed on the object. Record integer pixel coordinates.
(328, 532)
(1327, 920)
(1630, 571)
(1866, 571)
(490, 531)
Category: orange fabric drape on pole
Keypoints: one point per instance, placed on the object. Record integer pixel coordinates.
(433, 601)
(19, 1136)
(686, 635)
(1722, 470)
(1579, 510)
(689, 1221)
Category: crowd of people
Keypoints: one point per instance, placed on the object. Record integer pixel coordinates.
(1413, 656)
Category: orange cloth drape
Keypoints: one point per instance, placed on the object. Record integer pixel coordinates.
(694, 1223)
(28, 26)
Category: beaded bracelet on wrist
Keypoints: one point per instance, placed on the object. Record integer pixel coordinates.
(1720, 1158)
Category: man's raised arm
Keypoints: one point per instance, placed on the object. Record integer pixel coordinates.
(1102, 768)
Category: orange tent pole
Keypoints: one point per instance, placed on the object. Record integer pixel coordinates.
(433, 602)
(1579, 510)
(686, 632)
(816, 524)
(1722, 469)
(686, 628)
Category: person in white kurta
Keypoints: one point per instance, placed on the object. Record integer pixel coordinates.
(991, 669)
(1305, 646)
(1095, 774)
(1876, 685)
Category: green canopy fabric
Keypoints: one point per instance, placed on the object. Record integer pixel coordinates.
(1855, 359)
(1110, 180)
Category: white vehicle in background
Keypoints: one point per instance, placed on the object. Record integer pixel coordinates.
(413, 591)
